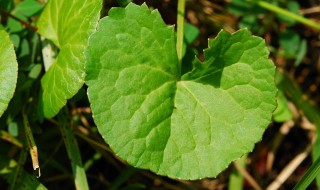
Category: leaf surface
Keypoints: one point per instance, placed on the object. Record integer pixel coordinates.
(68, 24)
(8, 70)
(189, 126)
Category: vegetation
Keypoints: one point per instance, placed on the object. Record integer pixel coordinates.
(119, 88)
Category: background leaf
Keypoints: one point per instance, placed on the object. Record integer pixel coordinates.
(184, 128)
(8, 70)
(68, 24)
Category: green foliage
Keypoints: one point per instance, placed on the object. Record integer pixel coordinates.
(28, 8)
(66, 75)
(8, 70)
(180, 126)
(282, 112)
(184, 120)
(8, 170)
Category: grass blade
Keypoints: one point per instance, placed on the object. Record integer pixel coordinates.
(78, 170)
(8, 170)
(309, 176)
(31, 144)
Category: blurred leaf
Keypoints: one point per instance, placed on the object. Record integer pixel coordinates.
(191, 33)
(239, 7)
(28, 8)
(301, 52)
(35, 71)
(24, 48)
(13, 129)
(15, 40)
(7, 5)
(290, 42)
(14, 26)
(124, 3)
(243, 7)
(249, 22)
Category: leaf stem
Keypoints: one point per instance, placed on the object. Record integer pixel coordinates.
(180, 27)
(286, 13)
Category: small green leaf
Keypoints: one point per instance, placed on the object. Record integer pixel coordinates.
(189, 126)
(13, 129)
(290, 42)
(8, 70)
(283, 112)
(302, 51)
(68, 24)
(35, 71)
(191, 33)
(28, 7)
(15, 40)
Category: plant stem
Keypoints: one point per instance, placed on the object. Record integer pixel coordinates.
(180, 27)
(26, 24)
(79, 174)
(31, 143)
(286, 13)
(236, 179)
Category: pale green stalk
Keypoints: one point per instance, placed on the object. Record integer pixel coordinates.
(79, 174)
(31, 144)
(286, 13)
(180, 27)
(236, 178)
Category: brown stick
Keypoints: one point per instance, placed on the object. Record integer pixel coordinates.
(25, 24)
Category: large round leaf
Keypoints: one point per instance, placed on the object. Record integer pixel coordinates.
(189, 126)
(68, 24)
(8, 70)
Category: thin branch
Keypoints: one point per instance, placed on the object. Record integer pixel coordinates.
(24, 23)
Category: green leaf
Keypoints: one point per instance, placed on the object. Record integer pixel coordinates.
(290, 42)
(28, 7)
(35, 71)
(283, 112)
(302, 51)
(68, 24)
(8, 70)
(8, 169)
(191, 33)
(186, 127)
